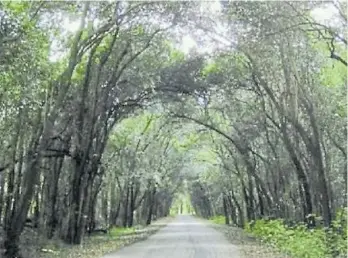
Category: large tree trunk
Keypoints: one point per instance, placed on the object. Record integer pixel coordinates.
(2, 193)
(52, 193)
(151, 203)
(226, 213)
(131, 206)
(261, 205)
(72, 236)
(125, 208)
(15, 223)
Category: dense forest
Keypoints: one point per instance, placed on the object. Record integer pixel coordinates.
(105, 120)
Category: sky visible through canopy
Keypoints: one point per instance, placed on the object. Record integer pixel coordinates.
(188, 42)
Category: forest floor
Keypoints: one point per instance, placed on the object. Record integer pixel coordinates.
(248, 246)
(34, 246)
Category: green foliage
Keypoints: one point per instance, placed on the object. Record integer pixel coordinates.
(132, 128)
(176, 55)
(206, 155)
(181, 201)
(185, 142)
(332, 73)
(218, 219)
(24, 74)
(210, 68)
(16, 7)
(301, 242)
(116, 232)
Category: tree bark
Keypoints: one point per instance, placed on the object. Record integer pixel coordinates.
(226, 213)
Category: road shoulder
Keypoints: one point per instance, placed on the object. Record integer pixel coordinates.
(248, 246)
(100, 245)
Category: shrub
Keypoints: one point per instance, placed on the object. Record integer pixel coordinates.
(300, 242)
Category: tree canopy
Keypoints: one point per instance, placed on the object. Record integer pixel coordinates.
(105, 121)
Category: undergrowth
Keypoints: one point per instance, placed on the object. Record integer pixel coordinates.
(300, 242)
(218, 219)
(92, 247)
(115, 232)
(248, 245)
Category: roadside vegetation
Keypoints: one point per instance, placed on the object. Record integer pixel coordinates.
(115, 114)
(299, 241)
(274, 238)
(95, 245)
(221, 220)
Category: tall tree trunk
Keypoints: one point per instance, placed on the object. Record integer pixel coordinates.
(2, 193)
(36, 218)
(152, 195)
(261, 205)
(232, 209)
(52, 221)
(131, 206)
(226, 213)
(125, 208)
(75, 205)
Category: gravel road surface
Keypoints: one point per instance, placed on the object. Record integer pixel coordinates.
(184, 237)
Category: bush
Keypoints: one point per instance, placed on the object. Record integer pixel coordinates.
(300, 242)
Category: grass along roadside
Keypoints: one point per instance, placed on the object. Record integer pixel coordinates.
(99, 245)
(218, 220)
(274, 239)
(248, 245)
(299, 241)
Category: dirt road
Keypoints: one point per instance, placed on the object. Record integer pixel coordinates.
(185, 237)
